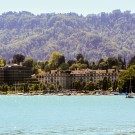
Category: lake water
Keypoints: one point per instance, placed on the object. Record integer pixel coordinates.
(67, 115)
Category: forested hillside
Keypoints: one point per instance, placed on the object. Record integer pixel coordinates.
(95, 36)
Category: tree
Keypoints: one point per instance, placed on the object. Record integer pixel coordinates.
(101, 60)
(59, 87)
(83, 66)
(26, 88)
(4, 88)
(122, 63)
(42, 64)
(125, 77)
(56, 59)
(103, 65)
(36, 87)
(61, 60)
(74, 66)
(2, 62)
(18, 58)
(115, 85)
(79, 57)
(52, 87)
(47, 68)
(87, 63)
(93, 66)
(112, 62)
(44, 87)
(70, 62)
(29, 62)
(131, 61)
(105, 83)
(81, 60)
(89, 86)
(64, 66)
(77, 84)
(100, 84)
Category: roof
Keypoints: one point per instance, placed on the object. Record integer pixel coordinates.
(81, 71)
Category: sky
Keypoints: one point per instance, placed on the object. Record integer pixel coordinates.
(83, 7)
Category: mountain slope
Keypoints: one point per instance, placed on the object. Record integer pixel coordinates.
(95, 36)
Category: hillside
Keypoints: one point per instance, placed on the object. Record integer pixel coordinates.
(95, 36)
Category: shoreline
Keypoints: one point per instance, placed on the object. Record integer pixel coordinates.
(64, 93)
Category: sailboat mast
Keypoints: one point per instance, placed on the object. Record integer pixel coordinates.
(130, 87)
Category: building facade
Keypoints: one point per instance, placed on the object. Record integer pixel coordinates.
(67, 78)
(1, 76)
(16, 74)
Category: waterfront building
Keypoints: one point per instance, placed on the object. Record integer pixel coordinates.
(63, 78)
(1, 76)
(16, 74)
(67, 78)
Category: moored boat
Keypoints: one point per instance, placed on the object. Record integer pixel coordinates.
(129, 94)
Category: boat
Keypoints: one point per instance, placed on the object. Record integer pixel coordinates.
(19, 93)
(129, 94)
(60, 94)
(27, 94)
(97, 94)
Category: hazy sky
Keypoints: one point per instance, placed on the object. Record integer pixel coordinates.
(64, 6)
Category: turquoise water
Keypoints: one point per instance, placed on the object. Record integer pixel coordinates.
(67, 115)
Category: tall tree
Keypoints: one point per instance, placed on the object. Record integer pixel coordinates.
(29, 62)
(131, 61)
(79, 57)
(105, 83)
(18, 58)
(2, 62)
(70, 62)
(111, 61)
(56, 59)
(125, 77)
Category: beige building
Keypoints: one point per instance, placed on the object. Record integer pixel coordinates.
(66, 78)
(63, 78)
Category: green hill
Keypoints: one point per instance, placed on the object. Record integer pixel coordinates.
(95, 36)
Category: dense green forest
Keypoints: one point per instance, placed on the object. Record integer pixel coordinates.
(95, 35)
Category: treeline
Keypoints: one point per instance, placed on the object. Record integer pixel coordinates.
(102, 35)
(57, 61)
